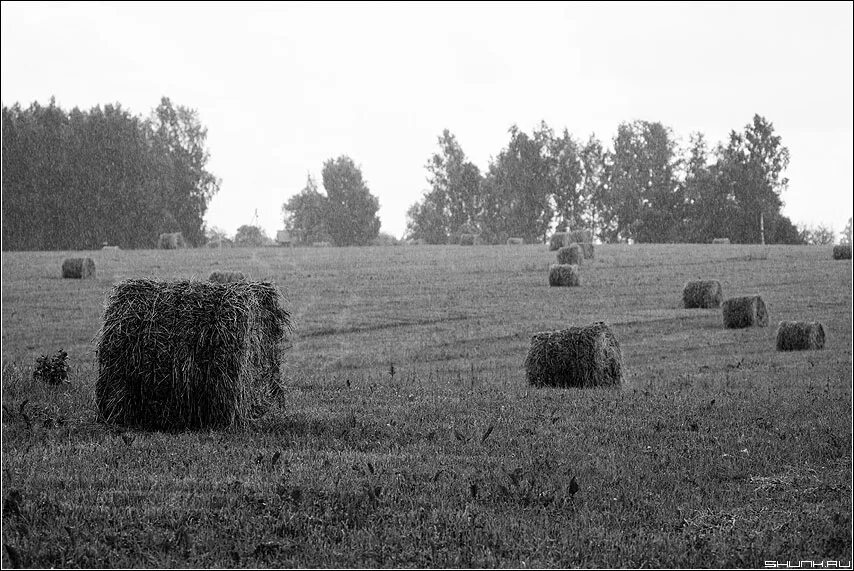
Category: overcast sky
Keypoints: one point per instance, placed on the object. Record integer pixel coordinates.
(284, 87)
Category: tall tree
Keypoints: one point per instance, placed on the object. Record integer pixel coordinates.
(180, 133)
(425, 220)
(593, 184)
(571, 203)
(520, 187)
(752, 167)
(305, 214)
(351, 217)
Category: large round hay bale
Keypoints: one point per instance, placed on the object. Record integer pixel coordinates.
(747, 311)
(225, 277)
(468, 239)
(587, 356)
(587, 248)
(564, 275)
(580, 237)
(799, 335)
(557, 241)
(80, 268)
(515, 241)
(171, 241)
(572, 254)
(190, 354)
(702, 294)
(842, 252)
(720, 241)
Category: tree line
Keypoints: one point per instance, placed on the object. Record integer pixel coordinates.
(644, 188)
(80, 179)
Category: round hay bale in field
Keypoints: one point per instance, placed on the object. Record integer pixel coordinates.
(190, 354)
(587, 248)
(842, 252)
(800, 335)
(580, 237)
(468, 239)
(515, 241)
(580, 357)
(747, 311)
(720, 241)
(572, 254)
(557, 241)
(564, 275)
(224, 277)
(702, 294)
(80, 268)
(171, 241)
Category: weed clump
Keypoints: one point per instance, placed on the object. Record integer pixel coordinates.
(52, 370)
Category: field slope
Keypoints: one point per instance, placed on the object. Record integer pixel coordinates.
(408, 435)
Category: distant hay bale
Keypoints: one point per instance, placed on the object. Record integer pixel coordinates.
(842, 252)
(720, 241)
(171, 241)
(572, 254)
(321, 244)
(515, 241)
(747, 311)
(105, 247)
(800, 335)
(80, 268)
(580, 237)
(224, 277)
(580, 357)
(702, 294)
(190, 354)
(564, 275)
(557, 241)
(468, 239)
(587, 248)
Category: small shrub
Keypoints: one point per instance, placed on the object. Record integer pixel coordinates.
(52, 370)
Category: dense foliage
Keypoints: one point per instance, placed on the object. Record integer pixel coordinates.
(643, 189)
(80, 179)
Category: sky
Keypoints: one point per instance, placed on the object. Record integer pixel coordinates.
(283, 87)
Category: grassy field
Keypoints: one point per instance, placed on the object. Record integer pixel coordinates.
(409, 437)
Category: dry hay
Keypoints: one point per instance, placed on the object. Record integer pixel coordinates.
(468, 239)
(564, 275)
(842, 252)
(321, 244)
(744, 311)
(702, 293)
(799, 335)
(106, 247)
(580, 237)
(190, 354)
(576, 357)
(515, 241)
(171, 241)
(558, 240)
(720, 241)
(587, 248)
(80, 268)
(572, 254)
(224, 277)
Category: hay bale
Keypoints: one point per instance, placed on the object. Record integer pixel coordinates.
(515, 241)
(572, 254)
(587, 248)
(80, 268)
(744, 311)
(171, 241)
(800, 335)
(702, 293)
(587, 356)
(842, 252)
(322, 244)
(558, 241)
(190, 354)
(720, 241)
(468, 239)
(224, 277)
(580, 237)
(564, 275)
(106, 247)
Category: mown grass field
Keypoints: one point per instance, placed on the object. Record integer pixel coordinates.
(408, 435)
